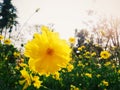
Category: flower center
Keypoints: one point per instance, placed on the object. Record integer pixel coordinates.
(50, 51)
(105, 55)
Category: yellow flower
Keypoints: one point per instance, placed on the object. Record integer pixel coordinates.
(87, 54)
(63, 71)
(107, 63)
(86, 64)
(80, 56)
(21, 60)
(70, 67)
(7, 41)
(105, 54)
(26, 81)
(36, 81)
(72, 87)
(99, 65)
(22, 65)
(56, 75)
(47, 52)
(98, 75)
(80, 49)
(17, 67)
(16, 54)
(1, 37)
(83, 47)
(113, 66)
(80, 64)
(93, 54)
(118, 71)
(72, 40)
(105, 83)
(88, 75)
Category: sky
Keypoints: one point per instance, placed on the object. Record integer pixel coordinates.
(64, 15)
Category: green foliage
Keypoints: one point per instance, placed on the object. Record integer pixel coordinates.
(7, 67)
(99, 69)
(89, 72)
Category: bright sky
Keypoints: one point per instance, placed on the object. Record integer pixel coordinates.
(66, 15)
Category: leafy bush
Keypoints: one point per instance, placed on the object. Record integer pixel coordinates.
(91, 68)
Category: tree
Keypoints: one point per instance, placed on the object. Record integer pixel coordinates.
(7, 16)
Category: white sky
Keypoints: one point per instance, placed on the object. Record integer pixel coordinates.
(66, 15)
